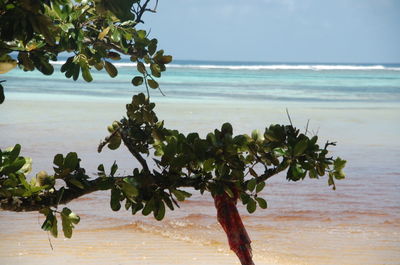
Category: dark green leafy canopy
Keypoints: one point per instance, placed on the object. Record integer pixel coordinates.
(96, 32)
(219, 163)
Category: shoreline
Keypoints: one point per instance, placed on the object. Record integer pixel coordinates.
(158, 99)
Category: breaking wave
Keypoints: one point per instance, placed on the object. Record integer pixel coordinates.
(313, 67)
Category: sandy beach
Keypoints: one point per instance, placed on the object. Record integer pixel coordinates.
(306, 223)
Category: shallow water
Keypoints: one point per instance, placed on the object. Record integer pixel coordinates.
(305, 223)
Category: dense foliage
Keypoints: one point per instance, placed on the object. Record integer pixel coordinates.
(93, 32)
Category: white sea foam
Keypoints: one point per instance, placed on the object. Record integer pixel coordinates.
(313, 67)
(288, 67)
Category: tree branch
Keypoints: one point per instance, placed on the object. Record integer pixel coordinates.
(136, 154)
(141, 12)
(48, 199)
(106, 141)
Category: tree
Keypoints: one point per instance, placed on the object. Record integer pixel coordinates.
(221, 164)
(95, 31)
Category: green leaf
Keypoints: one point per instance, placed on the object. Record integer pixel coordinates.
(208, 165)
(149, 207)
(260, 186)
(67, 222)
(312, 173)
(101, 168)
(244, 197)
(152, 46)
(15, 166)
(255, 134)
(116, 36)
(251, 206)
(300, 147)
(115, 202)
(141, 68)
(153, 84)
(114, 143)
(262, 203)
(114, 169)
(160, 213)
(180, 194)
(129, 189)
(86, 74)
(50, 224)
(331, 181)
(251, 184)
(280, 151)
(137, 207)
(66, 26)
(168, 201)
(54, 228)
(320, 169)
(43, 66)
(137, 80)
(339, 164)
(227, 128)
(110, 68)
(2, 97)
(74, 218)
(76, 70)
(71, 161)
(297, 172)
(314, 139)
(155, 70)
(141, 98)
(141, 34)
(58, 160)
(166, 59)
(14, 152)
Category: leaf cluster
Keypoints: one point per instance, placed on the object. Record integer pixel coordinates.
(96, 32)
(220, 163)
(17, 193)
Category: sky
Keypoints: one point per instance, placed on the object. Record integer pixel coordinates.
(325, 31)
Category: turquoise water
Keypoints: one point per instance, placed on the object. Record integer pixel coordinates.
(196, 80)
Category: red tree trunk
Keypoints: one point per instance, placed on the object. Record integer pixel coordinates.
(229, 218)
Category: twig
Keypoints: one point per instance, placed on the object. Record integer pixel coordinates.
(136, 154)
(106, 140)
(308, 121)
(173, 200)
(290, 120)
(141, 12)
(48, 237)
(147, 86)
(162, 93)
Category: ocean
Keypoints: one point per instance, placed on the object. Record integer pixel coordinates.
(306, 222)
(202, 80)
